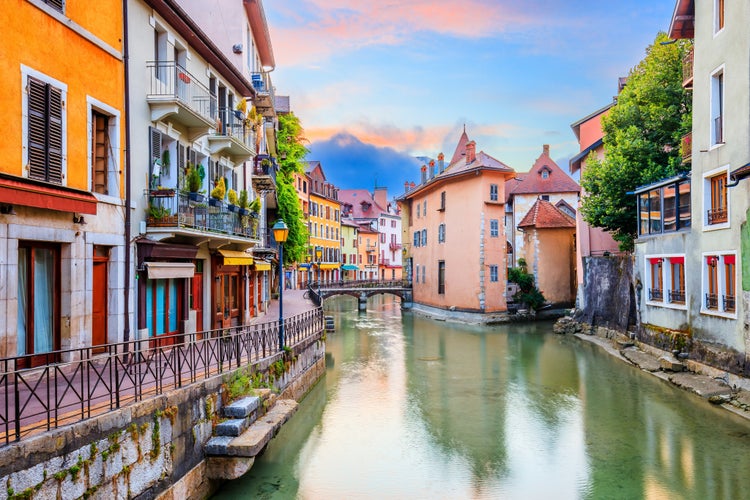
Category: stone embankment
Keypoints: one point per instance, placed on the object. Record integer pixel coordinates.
(716, 386)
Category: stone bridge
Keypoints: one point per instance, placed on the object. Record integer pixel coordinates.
(361, 290)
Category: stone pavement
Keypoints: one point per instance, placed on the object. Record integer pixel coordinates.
(717, 387)
(294, 303)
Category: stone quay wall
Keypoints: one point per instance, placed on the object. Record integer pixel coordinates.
(149, 449)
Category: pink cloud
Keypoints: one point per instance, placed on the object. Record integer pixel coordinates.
(342, 25)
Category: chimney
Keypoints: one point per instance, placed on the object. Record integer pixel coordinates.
(424, 174)
(406, 186)
(412, 186)
(471, 152)
(545, 149)
(441, 163)
(432, 169)
(381, 196)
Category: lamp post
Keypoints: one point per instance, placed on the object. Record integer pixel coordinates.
(280, 233)
(308, 258)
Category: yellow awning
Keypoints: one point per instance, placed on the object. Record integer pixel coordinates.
(262, 266)
(169, 270)
(236, 258)
(330, 266)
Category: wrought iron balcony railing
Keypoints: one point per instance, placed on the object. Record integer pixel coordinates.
(687, 70)
(656, 294)
(728, 302)
(712, 301)
(677, 296)
(168, 208)
(717, 215)
(170, 81)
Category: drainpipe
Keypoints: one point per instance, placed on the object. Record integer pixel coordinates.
(126, 291)
(738, 174)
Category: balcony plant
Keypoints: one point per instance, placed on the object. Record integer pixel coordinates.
(193, 181)
(243, 203)
(218, 192)
(232, 197)
(255, 207)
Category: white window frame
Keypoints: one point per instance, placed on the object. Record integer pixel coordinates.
(494, 228)
(716, 28)
(113, 167)
(717, 100)
(666, 280)
(707, 199)
(721, 285)
(27, 72)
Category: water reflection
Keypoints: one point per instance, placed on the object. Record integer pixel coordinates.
(414, 408)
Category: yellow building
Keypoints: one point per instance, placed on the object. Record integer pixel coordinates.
(62, 180)
(349, 250)
(324, 224)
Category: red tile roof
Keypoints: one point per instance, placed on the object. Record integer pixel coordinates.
(358, 199)
(544, 215)
(534, 182)
(460, 147)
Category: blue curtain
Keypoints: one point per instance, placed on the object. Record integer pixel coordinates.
(44, 292)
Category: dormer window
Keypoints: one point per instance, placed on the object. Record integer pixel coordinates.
(544, 172)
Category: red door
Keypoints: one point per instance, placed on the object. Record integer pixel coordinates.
(197, 300)
(99, 299)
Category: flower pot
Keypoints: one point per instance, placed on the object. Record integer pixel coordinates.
(214, 202)
(197, 197)
(243, 211)
(233, 208)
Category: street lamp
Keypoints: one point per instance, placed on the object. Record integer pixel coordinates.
(280, 233)
(318, 254)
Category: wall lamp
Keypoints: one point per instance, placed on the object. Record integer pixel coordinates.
(78, 219)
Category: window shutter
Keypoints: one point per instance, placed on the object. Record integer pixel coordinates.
(45, 131)
(100, 151)
(155, 145)
(37, 130)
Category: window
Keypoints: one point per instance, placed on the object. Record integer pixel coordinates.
(424, 208)
(45, 115)
(441, 233)
(545, 174)
(424, 237)
(56, 4)
(382, 238)
(718, 15)
(656, 288)
(393, 223)
(493, 192)
(720, 284)
(665, 281)
(545, 197)
(665, 208)
(382, 222)
(38, 325)
(494, 228)
(417, 239)
(676, 293)
(419, 207)
(493, 273)
(717, 213)
(442, 201)
(424, 271)
(717, 108)
(441, 277)
(99, 152)
(304, 186)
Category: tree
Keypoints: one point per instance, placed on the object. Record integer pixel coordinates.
(291, 150)
(642, 136)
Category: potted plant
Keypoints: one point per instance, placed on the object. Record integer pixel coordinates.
(193, 181)
(165, 162)
(255, 207)
(232, 197)
(243, 202)
(217, 193)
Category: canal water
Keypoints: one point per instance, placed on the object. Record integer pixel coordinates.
(412, 408)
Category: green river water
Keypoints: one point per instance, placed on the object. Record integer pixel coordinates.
(412, 408)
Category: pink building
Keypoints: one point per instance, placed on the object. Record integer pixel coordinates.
(456, 248)
(589, 240)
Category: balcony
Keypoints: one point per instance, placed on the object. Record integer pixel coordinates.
(712, 301)
(687, 70)
(717, 216)
(728, 301)
(171, 213)
(264, 173)
(176, 93)
(233, 137)
(371, 248)
(677, 296)
(686, 148)
(394, 246)
(264, 94)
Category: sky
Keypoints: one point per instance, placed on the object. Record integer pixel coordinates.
(377, 83)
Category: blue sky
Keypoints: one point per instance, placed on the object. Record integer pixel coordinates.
(377, 83)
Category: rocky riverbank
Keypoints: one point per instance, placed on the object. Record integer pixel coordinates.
(717, 387)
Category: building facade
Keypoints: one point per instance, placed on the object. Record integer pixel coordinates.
(63, 248)
(458, 260)
(324, 224)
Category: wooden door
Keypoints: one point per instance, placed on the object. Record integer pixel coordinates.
(197, 299)
(251, 295)
(99, 298)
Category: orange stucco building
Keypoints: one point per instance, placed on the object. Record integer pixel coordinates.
(456, 246)
(62, 182)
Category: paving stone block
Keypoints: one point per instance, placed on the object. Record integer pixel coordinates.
(233, 427)
(243, 407)
(218, 445)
